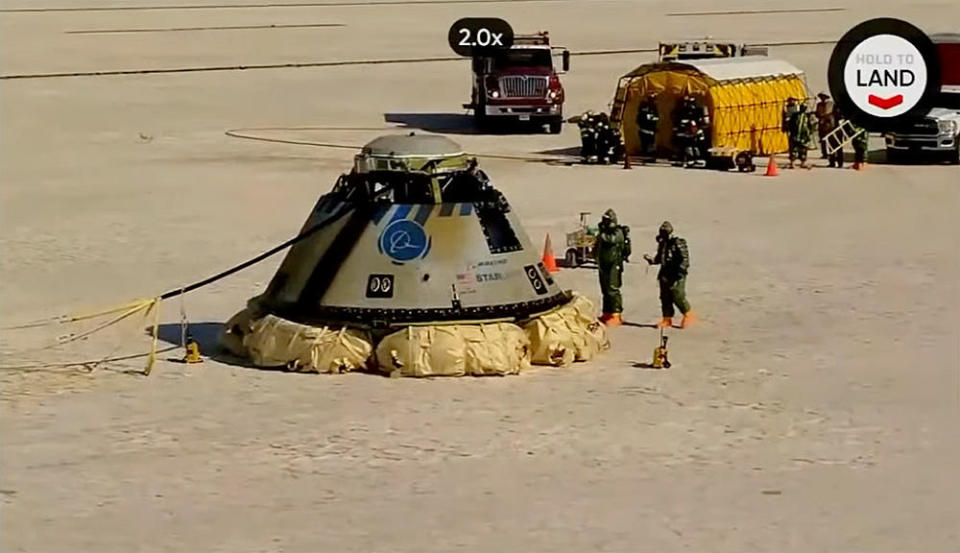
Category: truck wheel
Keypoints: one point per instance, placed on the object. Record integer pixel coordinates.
(955, 156)
(571, 259)
(894, 156)
(481, 122)
(480, 118)
(556, 125)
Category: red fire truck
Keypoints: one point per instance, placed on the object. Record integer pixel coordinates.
(519, 84)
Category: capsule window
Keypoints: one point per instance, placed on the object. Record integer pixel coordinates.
(498, 231)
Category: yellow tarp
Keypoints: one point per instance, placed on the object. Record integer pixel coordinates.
(745, 112)
(455, 350)
(567, 334)
(275, 342)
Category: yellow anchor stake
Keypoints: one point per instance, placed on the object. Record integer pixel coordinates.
(193, 351)
(660, 360)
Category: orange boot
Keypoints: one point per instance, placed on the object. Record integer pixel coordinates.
(665, 322)
(611, 319)
(688, 318)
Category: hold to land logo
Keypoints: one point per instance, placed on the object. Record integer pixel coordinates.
(884, 72)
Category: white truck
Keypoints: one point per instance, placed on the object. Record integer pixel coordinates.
(706, 48)
(938, 133)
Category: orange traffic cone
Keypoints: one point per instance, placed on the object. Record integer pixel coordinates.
(549, 261)
(772, 169)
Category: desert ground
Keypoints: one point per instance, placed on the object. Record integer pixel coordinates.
(813, 408)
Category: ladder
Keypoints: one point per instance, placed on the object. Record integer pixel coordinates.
(619, 100)
(840, 136)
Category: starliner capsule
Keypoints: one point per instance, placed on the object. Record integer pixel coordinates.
(414, 265)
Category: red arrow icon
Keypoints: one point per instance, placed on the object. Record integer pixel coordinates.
(885, 103)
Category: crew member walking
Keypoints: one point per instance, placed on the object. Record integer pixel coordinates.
(612, 251)
(648, 118)
(825, 121)
(674, 260)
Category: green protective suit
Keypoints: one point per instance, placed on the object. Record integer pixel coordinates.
(860, 145)
(799, 134)
(861, 140)
(674, 260)
(788, 113)
(612, 251)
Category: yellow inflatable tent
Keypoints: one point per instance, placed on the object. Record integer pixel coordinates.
(744, 96)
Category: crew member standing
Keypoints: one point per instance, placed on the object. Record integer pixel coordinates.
(612, 251)
(674, 260)
(798, 130)
(860, 143)
(825, 121)
(588, 137)
(837, 158)
(690, 123)
(648, 118)
(788, 111)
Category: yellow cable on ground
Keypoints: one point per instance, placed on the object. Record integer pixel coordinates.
(65, 319)
(138, 306)
(69, 364)
(111, 322)
(153, 347)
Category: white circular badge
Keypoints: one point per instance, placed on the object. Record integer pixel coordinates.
(885, 76)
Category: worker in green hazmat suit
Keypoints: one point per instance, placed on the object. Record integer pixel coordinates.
(860, 144)
(798, 132)
(674, 260)
(612, 251)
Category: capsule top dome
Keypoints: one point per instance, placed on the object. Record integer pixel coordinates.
(411, 153)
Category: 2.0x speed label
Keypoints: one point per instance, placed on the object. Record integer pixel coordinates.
(470, 35)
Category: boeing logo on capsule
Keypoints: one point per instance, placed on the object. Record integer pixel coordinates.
(404, 240)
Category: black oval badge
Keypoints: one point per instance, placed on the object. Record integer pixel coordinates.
(884, 73)
(472, 35)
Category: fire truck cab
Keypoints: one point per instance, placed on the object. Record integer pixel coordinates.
(519, 83)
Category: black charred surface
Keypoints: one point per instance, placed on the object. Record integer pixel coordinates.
(318, 315)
